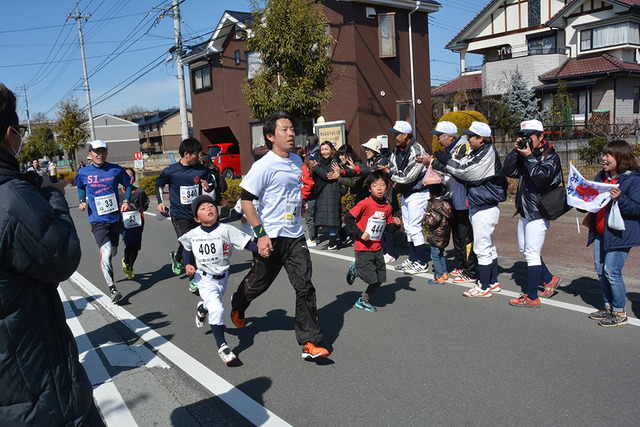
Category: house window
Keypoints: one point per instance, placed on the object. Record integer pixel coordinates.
(534, 12)
(237, 56)
(254, 62)
(405, 111)
(636, 100)
(610, 35)
(238, 32)
(202, 78)
(387, 34)
(542, 45)
(580, 102)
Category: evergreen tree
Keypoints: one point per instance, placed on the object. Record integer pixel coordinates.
(293, 43)
(41, 143)
(521, 100)
(72, 132)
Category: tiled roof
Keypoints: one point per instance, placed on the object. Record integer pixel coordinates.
(580, 67)
(461, 83)
(157, 117)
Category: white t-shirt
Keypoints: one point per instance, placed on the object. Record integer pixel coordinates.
(277, 182)
(245, 227)
(212, 250)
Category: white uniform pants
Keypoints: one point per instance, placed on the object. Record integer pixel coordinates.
(211, 291)
(531, 238)
(413, 208)
(484, 223)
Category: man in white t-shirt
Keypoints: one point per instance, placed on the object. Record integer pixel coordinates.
(276, 182)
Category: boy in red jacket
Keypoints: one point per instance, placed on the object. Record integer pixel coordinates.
(365, 223)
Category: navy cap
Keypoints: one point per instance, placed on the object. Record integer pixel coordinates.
(198, 201)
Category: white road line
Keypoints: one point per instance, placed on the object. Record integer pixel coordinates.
(243, 404)
(567, 306)
(108, 398)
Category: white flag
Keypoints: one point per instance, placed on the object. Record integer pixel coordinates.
(588, 195)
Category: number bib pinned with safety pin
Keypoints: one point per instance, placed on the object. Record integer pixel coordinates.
(208, 250)
(131, 219)
(188, 193)
(375, 227)
(106, 204)
(292, 212)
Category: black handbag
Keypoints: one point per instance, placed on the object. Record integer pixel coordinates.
(553, 204)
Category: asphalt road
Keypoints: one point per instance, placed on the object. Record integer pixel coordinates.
(428, 356)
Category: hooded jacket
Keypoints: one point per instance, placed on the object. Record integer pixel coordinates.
(538, 174)
(41, 380)
(406, 173)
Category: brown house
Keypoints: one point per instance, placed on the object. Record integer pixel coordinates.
(371, 51)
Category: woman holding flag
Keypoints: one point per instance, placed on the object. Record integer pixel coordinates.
(610, 246)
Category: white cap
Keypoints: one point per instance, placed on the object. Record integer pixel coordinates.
(373, 144)
(401, 127)
(478, 128)
(98, 143)
(445, 127)
(531, 126)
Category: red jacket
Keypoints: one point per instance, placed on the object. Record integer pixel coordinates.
(307, 183)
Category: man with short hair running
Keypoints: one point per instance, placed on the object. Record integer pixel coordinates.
(276, 182)
(98, 193)
(185, 178)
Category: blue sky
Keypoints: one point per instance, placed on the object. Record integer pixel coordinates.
(127, 42)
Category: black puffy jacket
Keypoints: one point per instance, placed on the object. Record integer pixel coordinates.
(41, 380)
(538, 174)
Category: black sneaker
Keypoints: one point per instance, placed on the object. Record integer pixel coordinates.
(600, 314)
(614, 319)
(115, 295)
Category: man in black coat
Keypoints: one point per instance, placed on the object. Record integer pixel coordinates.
(41, 380)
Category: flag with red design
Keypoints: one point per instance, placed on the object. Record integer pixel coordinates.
(588, 195)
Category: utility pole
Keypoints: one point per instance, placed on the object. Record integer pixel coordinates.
(78, 17)
(184, 117)
(26, 103)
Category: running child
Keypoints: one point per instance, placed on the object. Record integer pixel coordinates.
(209, 245)
(438, 219)
(133, 225)
(366, 222)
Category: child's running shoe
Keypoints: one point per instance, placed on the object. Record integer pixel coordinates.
(115, 295)
(175, 265)
(193, 288)
(201, 314)
(365, 305)
(226, 354)
(437, 281)
(463, 279)
(495, 287)
(550, 288)
(388, 259)
(127, 271)
(477, 292)
(351, 274)
(312, 243)
(311, 351)
(445, 276)
(417, 268)
(407, 264)
(524, 301)
(456, 273)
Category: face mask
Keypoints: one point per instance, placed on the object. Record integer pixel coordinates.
(16, 153)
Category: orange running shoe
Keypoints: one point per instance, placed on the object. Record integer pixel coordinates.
(237, 319)
(311, 351)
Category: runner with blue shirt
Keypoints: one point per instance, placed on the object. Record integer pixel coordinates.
(98, 193)
(185, 178)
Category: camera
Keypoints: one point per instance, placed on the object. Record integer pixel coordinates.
(525, 142)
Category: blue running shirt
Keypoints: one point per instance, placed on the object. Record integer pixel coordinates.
(101, 186)
(184, 186)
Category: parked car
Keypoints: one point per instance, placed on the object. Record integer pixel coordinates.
(226, 156)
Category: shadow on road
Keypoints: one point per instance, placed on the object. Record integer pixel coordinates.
(215, 412)
(275, 320)
(144, 280)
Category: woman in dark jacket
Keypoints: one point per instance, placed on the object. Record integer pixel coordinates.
(611, 247)
(328, 194)
(41, 380)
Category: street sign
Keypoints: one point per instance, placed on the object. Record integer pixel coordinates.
(138, 163)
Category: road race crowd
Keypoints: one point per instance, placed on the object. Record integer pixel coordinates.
(452, 194)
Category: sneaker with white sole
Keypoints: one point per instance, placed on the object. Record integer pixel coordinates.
(463, 279)
(388, 259)
(312, 351)
(417, 268)
(115, 295)
(351, 274)
(365, 305)
(226, 354)
(477, 292)
(201, 314)
(495, 287)
(407, 264)
(456, 273)
(311, 243)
